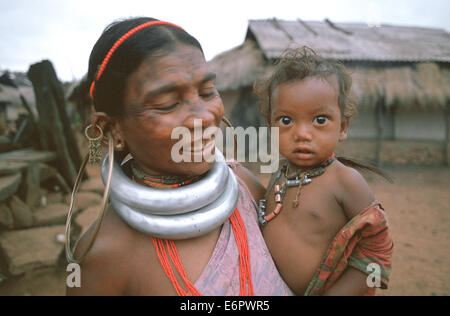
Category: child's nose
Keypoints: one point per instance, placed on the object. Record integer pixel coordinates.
(303, 133)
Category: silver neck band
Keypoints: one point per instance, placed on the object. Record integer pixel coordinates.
(180, 213)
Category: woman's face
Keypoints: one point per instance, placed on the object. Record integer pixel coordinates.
(162, 94)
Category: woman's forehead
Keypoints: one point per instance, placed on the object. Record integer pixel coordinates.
(185, 61)
(181, 59)
(184, 65)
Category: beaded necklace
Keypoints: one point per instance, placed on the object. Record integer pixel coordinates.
(297, 179)
(161, 181)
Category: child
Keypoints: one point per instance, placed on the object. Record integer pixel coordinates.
(320, 219)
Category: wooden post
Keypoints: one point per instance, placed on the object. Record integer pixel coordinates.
(447, 134)
(53, 119)
(378, 115)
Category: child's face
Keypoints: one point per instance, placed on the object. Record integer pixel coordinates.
(309, 120)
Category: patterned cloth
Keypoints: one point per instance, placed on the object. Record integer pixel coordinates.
(363, 240)
(221, 275)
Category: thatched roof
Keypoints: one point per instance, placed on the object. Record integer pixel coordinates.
(401, 75)
(14, 84)
(238, 67)
(11, 96)
(421, 85)
(352, 41)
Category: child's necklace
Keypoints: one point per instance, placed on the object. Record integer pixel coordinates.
(296, 179)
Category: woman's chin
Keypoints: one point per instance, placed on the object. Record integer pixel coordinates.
(191, 169)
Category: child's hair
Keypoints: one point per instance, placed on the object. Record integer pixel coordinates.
(298, 64)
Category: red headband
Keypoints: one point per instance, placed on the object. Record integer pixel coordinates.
(117, 44)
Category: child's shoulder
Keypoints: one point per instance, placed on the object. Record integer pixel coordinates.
(352, 191)
(347, 176)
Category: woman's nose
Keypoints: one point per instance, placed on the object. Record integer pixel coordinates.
(197, 110)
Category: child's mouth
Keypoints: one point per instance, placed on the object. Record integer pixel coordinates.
(303, 153)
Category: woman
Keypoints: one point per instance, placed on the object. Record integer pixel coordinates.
(156, 80)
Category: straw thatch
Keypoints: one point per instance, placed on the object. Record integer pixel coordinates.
(10, 95)
(238, 67)
(423, 85)
(352, 41)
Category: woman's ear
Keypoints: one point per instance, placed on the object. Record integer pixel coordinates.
(344, 129)
(102, 120)
(109, 125)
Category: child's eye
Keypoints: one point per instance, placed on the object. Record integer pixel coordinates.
(321, 120)
(285, 120)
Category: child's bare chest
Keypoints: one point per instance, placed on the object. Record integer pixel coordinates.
(310, 208)
(298, 237)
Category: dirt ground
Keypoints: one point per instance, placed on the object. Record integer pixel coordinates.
(418, 208)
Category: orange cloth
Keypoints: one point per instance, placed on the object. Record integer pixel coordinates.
(365, 239)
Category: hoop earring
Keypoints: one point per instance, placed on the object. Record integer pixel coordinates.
(94, 145)
(69, 253)
(228, 123)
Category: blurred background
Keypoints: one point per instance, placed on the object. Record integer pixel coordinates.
(397, 51)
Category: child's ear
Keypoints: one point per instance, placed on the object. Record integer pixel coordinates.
(344, 129)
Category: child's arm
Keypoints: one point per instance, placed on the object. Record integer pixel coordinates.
(354, 195)
(351, 283)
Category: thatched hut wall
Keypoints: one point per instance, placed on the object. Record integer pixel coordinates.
(414, 98)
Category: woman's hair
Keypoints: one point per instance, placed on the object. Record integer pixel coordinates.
(149, 41)
(298, 64)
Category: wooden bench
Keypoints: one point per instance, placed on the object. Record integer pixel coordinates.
(27, 161)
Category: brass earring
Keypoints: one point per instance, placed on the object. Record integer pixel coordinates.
(95, 155)
(69, 253)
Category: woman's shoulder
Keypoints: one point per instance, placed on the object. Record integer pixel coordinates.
(103, 270)
(252, 182)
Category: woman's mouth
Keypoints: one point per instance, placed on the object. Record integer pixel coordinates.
(205, 151)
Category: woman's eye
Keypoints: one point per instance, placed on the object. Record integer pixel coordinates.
(321, 120)
(207, 92)
(285, 120)
(208, 95)
(168, 108)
